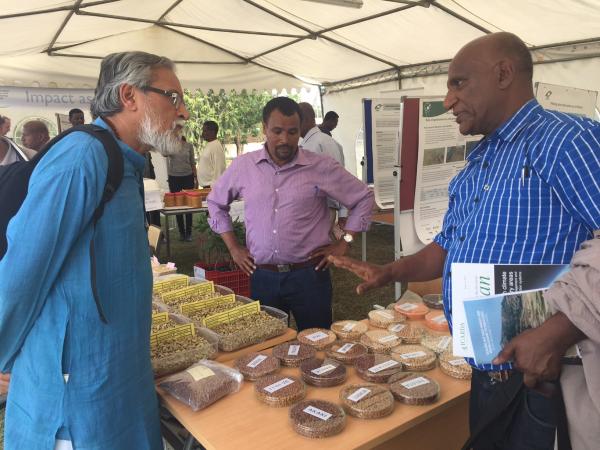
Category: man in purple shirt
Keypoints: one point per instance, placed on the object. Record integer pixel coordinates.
(285, 191)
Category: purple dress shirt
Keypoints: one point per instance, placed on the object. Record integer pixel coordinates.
(285, 208)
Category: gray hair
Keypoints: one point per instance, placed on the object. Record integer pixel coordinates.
(133, 68)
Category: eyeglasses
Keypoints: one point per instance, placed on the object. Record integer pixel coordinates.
(174, 96)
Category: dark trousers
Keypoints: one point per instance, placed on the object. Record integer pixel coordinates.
(176, 184)
(305, 292)
(528, 423)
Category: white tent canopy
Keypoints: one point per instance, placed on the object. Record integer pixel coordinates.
(269, 44)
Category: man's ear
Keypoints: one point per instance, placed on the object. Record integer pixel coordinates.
(264, 126)
(128, 97)
(505, 73)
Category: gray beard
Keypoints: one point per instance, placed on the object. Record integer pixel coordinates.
(167, 143)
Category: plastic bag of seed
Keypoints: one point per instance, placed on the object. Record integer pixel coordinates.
(202, 384)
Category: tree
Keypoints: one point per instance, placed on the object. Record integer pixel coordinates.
(239, 115)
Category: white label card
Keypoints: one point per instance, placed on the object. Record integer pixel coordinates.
(345, 348)
(323, 369)
(293, 350)
(349, 327)
(200, 372)
(457, 362)
(279, 385)
(412, 355)
(359, 394)
(407, 307)
(316, 336)
(256, 361)
(319, 413)
(379, 307)
(415, 382)
(443, 344)
(388, 338)
(439, 319)
(397, 327)
(383, 366)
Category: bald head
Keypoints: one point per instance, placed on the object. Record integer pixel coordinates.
(35, 134)
(308, 118)
(489, 79)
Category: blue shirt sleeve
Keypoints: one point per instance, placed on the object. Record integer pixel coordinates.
(59, 205)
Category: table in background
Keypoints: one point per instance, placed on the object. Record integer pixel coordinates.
(177, 211)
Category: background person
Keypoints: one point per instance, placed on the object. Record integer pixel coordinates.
(35, 135)
(76, 117)
(181, 170)
(212, 160)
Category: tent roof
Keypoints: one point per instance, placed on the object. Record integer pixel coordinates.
(268, 43)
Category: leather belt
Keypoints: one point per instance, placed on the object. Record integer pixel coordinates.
(500, 376)
(290, 267)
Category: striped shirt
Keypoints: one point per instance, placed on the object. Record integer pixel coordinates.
(285, 208)
(529, 194)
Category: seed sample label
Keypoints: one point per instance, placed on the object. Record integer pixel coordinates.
(316, 336)
(457, 362)
(319, 413)
(279, 385)
(383, 366)
(200, 372)
(415, 382)
(345, 348)
(256, 361)
(359, 394)
(443, 344)
(407, 307)
(293, 350)
(388, 338)
(323, 369)
(397, 327)
(412, 355)
(348, 327)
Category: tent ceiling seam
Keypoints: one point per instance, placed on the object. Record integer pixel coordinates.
(169, 9)
(460, 17)
(57, 9)
(63, 25)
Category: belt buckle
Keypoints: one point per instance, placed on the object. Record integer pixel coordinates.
(283, 267)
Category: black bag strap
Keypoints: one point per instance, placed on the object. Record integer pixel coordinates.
(114, 175)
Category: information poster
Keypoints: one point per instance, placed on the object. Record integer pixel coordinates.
(385, 116)
(442, 153)
(580, 102)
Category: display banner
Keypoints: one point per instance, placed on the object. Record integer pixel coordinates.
(580, 102)
(22, 104)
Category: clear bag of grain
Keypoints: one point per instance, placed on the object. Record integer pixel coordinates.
(414, 388)
(349, 330)
(408, 333)
(202, 384)
(323, 372)
(414, 357)
(383, 318)
(318, 338)
(345, 352)
(279, 390)
(291, 354)
(437, 343)
(256, 365)
(379, 341)
(455, 366)
(317, 418)
(367, 401)
(376, 367)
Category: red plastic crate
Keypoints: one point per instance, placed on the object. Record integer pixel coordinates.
(236, 280)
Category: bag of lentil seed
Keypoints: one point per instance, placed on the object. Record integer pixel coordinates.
(202, 384)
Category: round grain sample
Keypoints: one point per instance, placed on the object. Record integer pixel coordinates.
(437, 343)
(408, 333)
(291, 354)
(377, 368)
(414, 357)
(383, 318)
(345, 352)
(367, 401)
(455, 366)
(279, 390)
(436, 320)
(434, 301)
(414, 388)
(256, 365)
(317, 418)
(413, 311)
(379, 341)
(318, 338)
(349, 330)
(323, 372)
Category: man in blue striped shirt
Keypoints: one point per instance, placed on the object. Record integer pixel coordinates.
(528, 194)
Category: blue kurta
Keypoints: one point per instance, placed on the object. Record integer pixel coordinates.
(49, 324)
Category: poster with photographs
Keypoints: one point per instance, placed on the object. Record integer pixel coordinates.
(442, 154)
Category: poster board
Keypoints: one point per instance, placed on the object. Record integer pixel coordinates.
(579, 102)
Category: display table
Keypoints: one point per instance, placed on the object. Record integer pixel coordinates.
(177, 211)
(241, 421)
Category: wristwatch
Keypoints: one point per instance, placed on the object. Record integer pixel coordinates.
(348, 238)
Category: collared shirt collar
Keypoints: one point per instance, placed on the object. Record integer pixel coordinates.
(138, 160)
(314, 130)
(511, 128)
(300, 158)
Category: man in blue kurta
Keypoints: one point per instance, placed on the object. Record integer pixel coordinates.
(77, 382)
